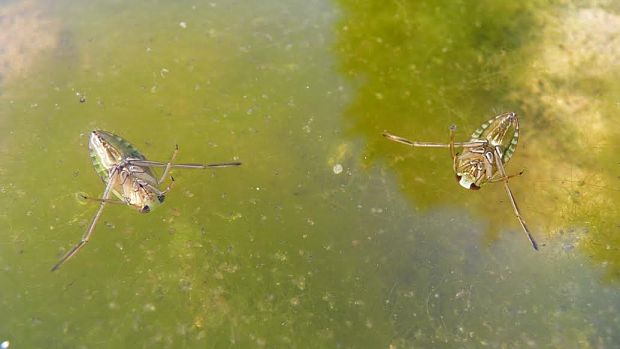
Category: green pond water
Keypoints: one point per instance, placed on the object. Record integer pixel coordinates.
(328, 236)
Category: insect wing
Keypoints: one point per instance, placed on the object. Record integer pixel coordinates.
(108, 150)
(502, 131)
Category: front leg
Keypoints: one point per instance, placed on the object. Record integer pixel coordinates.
(168, 165)
(108, 201)
(452, 151)
(500, 178)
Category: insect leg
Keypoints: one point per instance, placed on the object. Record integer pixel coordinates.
(91, 226)
(109, 201)
(402, 140)
(500, 167)
(149, 163)
(452, 151)
(169, 164)
(488, 165)
(499, 179)
(169, 186)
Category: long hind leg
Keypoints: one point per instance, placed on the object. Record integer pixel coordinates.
(500, 167)
(91, 227)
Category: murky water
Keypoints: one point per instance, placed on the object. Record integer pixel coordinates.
(328, 235)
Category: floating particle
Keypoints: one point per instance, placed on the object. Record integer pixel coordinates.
(376, 210)
(337, 169)
(183, 25)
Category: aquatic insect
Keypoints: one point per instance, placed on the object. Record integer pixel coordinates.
(129, 176)
(484, 156)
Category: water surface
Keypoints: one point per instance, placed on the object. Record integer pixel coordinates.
(328, 235)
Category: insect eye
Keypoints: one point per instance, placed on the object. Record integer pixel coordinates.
(473, 187)
(145, 209)
(161, 198)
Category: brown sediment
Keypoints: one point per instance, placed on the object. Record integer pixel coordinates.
(26, 32)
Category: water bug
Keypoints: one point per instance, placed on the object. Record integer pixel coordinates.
(484, 156)
(129, 176)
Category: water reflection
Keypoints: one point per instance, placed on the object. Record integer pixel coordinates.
(422, 66)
